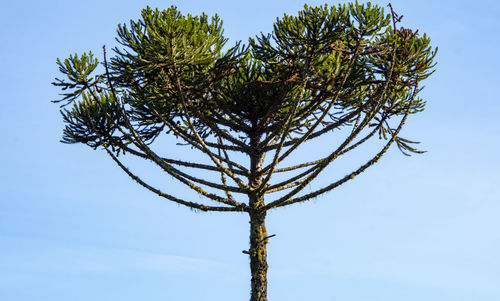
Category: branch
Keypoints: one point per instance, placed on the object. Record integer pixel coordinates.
(222, 175)
(192, 141)
(302, 165)
(166, 167)
(205, 149)
(321, 166)
(177, 174)
(202, 166)
(182, 163)
(352, 175)
(310, 132)
(158, 192)
(170, 197)
(286, 125)
(346, 178)
(288, 183)
(125, 149)
(233, 122)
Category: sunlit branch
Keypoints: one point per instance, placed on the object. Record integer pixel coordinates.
(177, 174)
(269, 169)
(302, 165)
(222, 175)
(193, 142)
(193, 205)
(168, 196)
(346, 178)
(291, 182)
(127, 149)
(321, 166)
(180, 176)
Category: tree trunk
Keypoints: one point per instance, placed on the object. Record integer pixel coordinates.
(258, 234)
(258, 256)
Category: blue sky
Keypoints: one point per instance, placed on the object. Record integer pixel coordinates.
(73, 227)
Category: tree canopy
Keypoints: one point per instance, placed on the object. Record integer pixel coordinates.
(328, 68)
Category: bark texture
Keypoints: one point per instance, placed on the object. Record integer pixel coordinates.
(258, 257)
(258, 233)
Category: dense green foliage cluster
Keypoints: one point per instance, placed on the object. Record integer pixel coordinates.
(333, 60)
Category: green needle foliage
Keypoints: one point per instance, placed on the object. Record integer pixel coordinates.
(346, 71)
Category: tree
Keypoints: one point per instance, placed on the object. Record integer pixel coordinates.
(347, 71)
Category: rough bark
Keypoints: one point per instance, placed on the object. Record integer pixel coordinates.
(258, 234)
(258, 256)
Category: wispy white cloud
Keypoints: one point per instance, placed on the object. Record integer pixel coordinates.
(30, 255)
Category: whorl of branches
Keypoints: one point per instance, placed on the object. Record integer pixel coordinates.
(330, 67)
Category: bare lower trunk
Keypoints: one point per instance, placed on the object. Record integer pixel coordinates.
(258, 256)
(258, 234)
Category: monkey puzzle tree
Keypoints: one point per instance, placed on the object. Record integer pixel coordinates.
(346, 71)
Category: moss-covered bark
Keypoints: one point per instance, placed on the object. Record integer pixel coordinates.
(258, 257)
(258, 234)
